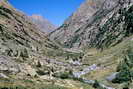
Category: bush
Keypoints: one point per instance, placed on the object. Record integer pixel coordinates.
(123, 76)
(64, 75)
(13, 87)
(125, 69)
(97, 85)
(42, 72)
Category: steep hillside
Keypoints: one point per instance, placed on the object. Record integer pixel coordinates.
(17, 30)
(116, 63)
(76, 20)
(28, 59)
(20, 39)
(43, 24)
(89, 25)
(105, 34)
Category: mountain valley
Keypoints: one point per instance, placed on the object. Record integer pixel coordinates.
(93, 49)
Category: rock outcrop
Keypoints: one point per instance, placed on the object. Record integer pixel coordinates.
(93, 23)
(21, 42)
(27, 54)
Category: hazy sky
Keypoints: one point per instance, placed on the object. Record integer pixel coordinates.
(55, 11)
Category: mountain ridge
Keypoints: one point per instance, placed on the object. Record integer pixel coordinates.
(67, 33)
(45, 25)
(89, 51)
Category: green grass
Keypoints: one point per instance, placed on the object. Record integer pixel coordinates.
(37, 83)
(21, 87)
(27, 84)
(108, 58)
(61, 53)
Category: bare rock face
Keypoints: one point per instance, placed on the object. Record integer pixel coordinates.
(76, 21)
(42, 23)
(18, 34)
(83, 28)
(9, 66)
(21, 41)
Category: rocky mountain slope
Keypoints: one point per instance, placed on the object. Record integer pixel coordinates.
(103, 30)
(42, 23)
(20, 39)
(29, 60)
(76, 20)
(93, 23)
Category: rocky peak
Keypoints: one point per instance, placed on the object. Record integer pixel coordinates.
(5, 3)
(21, 42)
(42, 23)
(37, 17)
(87, 9)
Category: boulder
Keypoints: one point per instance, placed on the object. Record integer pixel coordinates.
(3, 75)
(8, 65)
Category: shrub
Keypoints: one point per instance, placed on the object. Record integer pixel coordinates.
(13, 87)
(97, 85)
(125, 68)
(64, 75)
(42, 72)
(123, 76)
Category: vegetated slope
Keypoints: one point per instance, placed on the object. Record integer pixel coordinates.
(42, 23)
(109, 29)
(27, 56)
(105, 21)
(21, 43)
(20, 39)
(112, 61)
(115, 39)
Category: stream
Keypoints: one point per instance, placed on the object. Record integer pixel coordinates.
(86, 70)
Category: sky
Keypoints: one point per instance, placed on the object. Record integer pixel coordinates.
(56, 11)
